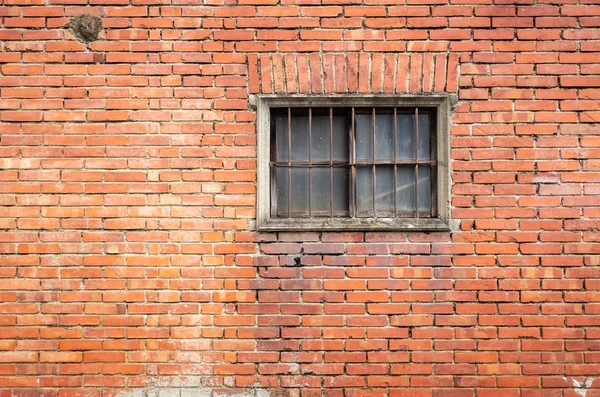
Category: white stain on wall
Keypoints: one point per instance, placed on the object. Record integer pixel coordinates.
(581, 388)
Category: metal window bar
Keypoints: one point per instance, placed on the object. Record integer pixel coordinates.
(416, 162)
(340, 163)
(395, 164)
(352, 160)
(331, 162)
(289, 162)
(433, 167)
(352, 163)
(309, 163)
(373, 166)
(273, 171)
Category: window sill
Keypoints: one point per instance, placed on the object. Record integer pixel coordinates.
(353, 224)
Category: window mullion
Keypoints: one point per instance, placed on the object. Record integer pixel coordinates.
(289, 162)
(395, 165)
(416, 162)
(309, 162)
(352, 158)
(273, 167)
(374, 177)
(331, 162)
(433, 166)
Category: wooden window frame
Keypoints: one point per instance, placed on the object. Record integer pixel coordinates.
(267, 222)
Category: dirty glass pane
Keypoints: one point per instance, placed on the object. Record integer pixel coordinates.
(340, 191)
(281, 137)
(364, 191)
(320, 191)
(405, 191)
(299, 192)
(424, 189)
(282, 191)
(384, 191)
(364, 135)
(424, 125)
(384, 136)
(300, 142)
(341, 149)
(405, 136)
(320, 137)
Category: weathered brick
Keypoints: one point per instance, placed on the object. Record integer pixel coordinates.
(128, 184)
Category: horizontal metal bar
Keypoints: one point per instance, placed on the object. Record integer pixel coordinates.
(320, 213)
(390, 214)
(305, 164)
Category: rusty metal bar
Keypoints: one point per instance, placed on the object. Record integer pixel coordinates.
(373, 166)
(395, 165)
(416, 162)
(339, 163)
(331, 161)
(352, 160)
(289, 162)
(433, 168)
(309, 162)
(275, 135)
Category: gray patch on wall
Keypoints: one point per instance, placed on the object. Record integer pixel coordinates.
(85, 27)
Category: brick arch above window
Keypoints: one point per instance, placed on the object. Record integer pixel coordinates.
(360, 73)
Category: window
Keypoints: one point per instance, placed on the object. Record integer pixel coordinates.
(352, 163)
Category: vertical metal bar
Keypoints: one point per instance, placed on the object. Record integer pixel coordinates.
(331, 162)
(289, 162)
(273, 174)
(416, 162)
(373, 166)
(433, 168)
(352, 158)
(275, 136)
(309, 162)
(395, 166)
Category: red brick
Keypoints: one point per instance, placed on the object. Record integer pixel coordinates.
(128, 187)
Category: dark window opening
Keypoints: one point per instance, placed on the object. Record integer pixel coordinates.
(357, 162)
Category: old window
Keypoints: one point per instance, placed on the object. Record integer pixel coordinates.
(352, 163)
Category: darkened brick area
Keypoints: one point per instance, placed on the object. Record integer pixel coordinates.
(128, 265)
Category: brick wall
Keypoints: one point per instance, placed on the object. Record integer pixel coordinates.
(127, 186)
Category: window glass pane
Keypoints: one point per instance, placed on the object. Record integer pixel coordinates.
(425, 189)
(320, 191)
(281, 137)
(364, 135)
(299, 192)
(384, 136)
(405, 191)
(300, 142)
(341, 191)
(424, 136)
(282, 191)
(364, 191)
(384, 191)
(320, 136)
(341, 138)
(405, 136)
